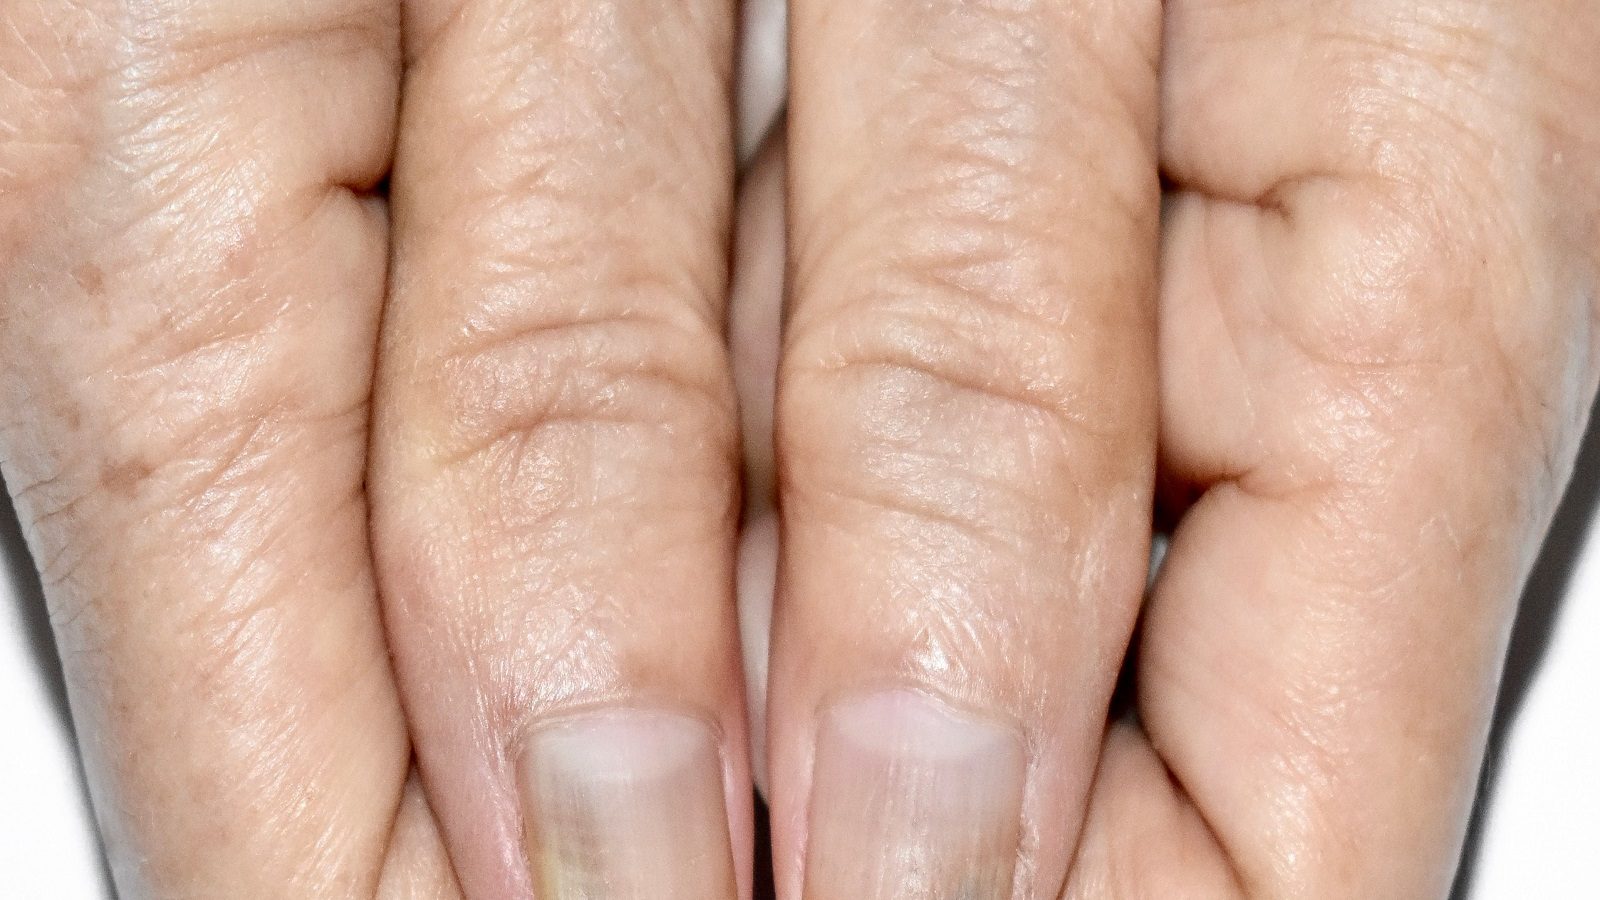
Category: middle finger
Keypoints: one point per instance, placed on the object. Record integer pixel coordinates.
(554, 482)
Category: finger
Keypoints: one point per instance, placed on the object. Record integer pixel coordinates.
(192, 276)
(554, 479)
(966, 434)
(1377, 348)
(754, 326)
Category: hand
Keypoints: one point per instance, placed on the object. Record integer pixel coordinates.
(1372, 355)
(1358, 383)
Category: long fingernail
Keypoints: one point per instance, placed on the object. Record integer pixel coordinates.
(913, 800)
(627, 804)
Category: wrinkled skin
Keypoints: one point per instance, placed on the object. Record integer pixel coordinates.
(339, 486)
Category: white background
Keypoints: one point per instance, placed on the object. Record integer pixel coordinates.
(1539, 829)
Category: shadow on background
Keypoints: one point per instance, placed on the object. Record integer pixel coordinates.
(764, 889)
(24, 584)
(35, 618)
(1546, 590)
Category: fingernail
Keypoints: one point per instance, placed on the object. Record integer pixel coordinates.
(626, 804)
(913, 800)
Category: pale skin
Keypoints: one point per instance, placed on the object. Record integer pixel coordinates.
(358, 448)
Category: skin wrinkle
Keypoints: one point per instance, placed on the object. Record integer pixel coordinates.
(47, 143)
(213, 481)
(902, 316)
(574, 306)
(1376, 452)
(641, 403)
(939, 367)
(938, 492)
(534, 113)
(576, 662)
(881, 337)
(951, 637)
(156, 345)
(1379, 330)
(1399, 313)
(893, 476)
(636, 314)
(1407, 322)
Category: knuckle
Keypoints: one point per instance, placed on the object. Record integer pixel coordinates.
(1390, 280)
(957, 409)
(935, 343)
(99, 107)
(1414, 309)
(950, 336)
(597, 403)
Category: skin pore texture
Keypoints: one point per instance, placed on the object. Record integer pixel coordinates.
(451, 477)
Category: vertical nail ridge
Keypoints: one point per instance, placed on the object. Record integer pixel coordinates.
(626, 805)
(913, 799)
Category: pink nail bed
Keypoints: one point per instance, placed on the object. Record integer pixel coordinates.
(627, 805)
(913, 799)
